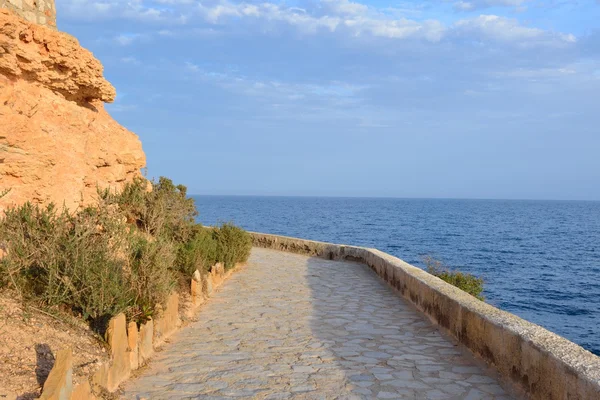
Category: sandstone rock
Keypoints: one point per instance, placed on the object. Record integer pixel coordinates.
(53, 59)
(83, 391)
(57, 143)
(59, 384)
(42, 12)
(217, 273)
(194, 290)
(120, 366)
(100, 377)
(168, 320)
(207, 285)
(197, 276)
(6, 395)
(145, 347)
(132, 341)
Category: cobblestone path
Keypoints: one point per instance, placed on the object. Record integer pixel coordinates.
(289, 326)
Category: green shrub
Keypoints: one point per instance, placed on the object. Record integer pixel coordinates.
(30, 237)
(93, 272)
(198, 253)
(233, 244)
(466, 282)
(58, 258)
(164, 211)
(122, 255)
(151, 276)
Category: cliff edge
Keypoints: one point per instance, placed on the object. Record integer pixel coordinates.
(57, 143)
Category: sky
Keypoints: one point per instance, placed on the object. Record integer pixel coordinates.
(442, 98)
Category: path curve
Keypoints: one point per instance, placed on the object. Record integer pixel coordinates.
(290, 326)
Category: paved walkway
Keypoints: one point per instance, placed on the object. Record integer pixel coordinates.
(289, 326)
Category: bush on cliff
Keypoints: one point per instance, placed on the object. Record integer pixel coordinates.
(233, 245)
(200, 252)
(466, 282)
(58, 258)
(165, 211)
(162, 210)
(151, 275)
(122, 255)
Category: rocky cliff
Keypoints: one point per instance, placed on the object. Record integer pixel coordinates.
(57, 143)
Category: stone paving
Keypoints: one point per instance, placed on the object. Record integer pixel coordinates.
(289, 326)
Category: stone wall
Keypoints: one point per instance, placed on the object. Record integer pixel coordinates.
(42, 12)
(543, 364)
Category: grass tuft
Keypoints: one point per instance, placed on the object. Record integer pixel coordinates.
(466, 282)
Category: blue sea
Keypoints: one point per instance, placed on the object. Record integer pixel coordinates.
(540, 259)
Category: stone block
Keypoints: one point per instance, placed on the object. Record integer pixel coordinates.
(29, 16)
(168, 320)
(132, 341)
(6, 395)
(83, 391)
(194, 290)
(145, 348)
(207, 285)
(100, 377)
(217, 273)
(120, 366)
(197, 276)
(59, 385)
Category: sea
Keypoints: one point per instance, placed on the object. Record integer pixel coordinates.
(540, 259)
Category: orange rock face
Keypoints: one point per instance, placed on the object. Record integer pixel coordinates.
(57, 143)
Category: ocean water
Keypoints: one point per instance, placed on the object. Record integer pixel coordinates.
(540, 259)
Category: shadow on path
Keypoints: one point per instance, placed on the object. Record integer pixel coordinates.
(383, 345)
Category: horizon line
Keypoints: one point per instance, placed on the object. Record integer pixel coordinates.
(393, 197)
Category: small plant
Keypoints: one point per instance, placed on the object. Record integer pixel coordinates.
(198, 253)
(162, 210)
(233, 244)
(151, 277)
(466, 282)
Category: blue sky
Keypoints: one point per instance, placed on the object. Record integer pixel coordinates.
(445, 98)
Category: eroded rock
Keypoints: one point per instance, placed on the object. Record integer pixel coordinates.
(59, 384)
(57, 143)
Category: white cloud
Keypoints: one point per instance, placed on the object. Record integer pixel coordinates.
(345, 18)
(480, 4)
(355, 19)
(125, 39)
(139, 10)
(345, 7)
(341, 16)
(583, 71)
(130, 60)
(508, 30)
(332, 90)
